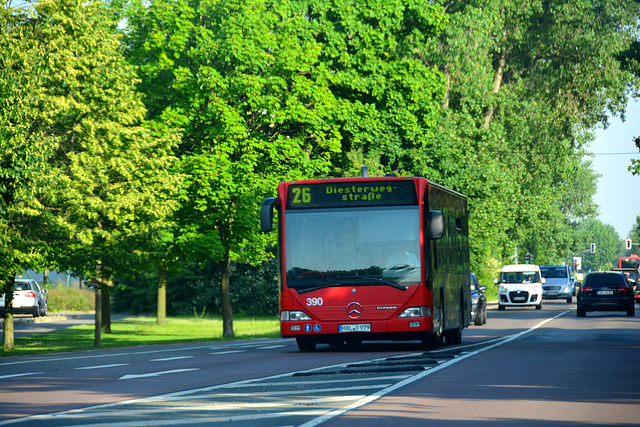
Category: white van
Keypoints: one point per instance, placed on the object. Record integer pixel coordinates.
(520, 285)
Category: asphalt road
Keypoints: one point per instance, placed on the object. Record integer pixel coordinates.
(525, 366)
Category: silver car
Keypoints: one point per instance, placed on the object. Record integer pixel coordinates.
(28, 298)
(558, 284)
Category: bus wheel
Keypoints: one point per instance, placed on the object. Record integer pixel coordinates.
(305, 344)
(434, 340)
(454, 336)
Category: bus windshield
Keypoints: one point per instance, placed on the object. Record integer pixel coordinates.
(629, 263)
(352, 246)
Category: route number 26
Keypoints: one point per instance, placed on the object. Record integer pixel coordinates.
(301, 195)
(311, 302)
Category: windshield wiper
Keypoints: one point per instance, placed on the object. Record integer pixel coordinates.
(353, 280)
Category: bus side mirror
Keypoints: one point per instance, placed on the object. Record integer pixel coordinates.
(436, 225)
(266, 214)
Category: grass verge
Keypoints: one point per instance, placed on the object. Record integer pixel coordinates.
(139, 331)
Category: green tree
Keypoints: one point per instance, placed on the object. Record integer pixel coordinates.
(608, 246)
(389, 95)
(115, 186)
(111, 171)
(24, 154)
(265, 91)
(525, 80)
(236, 79)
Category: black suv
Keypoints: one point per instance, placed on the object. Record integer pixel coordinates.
(605, 291)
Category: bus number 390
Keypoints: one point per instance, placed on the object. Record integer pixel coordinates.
(314, 302)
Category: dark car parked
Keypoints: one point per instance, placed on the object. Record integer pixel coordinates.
(478, 302)
(606, 291)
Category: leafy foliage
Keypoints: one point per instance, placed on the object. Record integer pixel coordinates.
(120, 169)
(105, 180)
(526, 79)
(264, 92)
(608, 246)
(113, 182)
(193, 291)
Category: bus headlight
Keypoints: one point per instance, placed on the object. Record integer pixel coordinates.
(423, 311)
(294, 316)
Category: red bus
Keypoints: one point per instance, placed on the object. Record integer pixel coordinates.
(371, 259)
(631, 261)
(630, 266)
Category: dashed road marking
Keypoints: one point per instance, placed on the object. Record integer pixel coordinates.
(166, 359)
(156, 374)
(102, 366)
(25, 374)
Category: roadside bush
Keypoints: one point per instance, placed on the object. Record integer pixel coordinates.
(195, 291)
(71, 299)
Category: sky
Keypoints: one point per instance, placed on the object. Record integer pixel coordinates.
(618, 193)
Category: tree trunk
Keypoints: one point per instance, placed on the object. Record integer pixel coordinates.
(106, 308)
(161, 317)
(9, 337)
(227, 316)
(497, 83)
(447, 76)
(98, 316)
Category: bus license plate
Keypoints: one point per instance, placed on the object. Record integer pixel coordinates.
(355, 328)
(605, 292)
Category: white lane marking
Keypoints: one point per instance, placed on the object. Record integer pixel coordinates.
(377, 395)
(228, 352)
(270, 347)
(210, 420)
(258, 342)
(103, 366)
(212, 406)
(156, 374)
(341, 381)
(166, 359)
(307, 392)
(20, 375)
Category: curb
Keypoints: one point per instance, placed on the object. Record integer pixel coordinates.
(54, 317)
(29, 320)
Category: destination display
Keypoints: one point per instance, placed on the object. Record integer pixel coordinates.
(349, 194)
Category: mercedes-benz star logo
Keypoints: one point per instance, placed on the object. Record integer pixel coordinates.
(354, 310)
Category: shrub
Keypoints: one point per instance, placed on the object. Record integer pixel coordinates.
(195, 290)
(71, 299)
